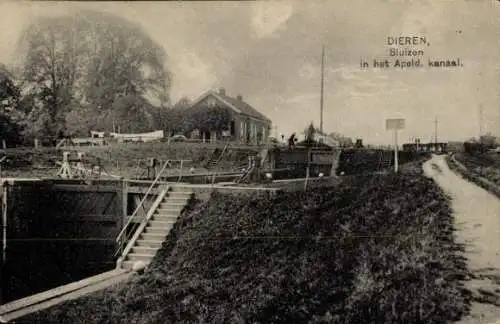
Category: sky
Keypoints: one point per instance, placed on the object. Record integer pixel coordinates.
(270, 53)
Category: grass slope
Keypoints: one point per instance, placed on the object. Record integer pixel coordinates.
(375, 250)
(485, 165)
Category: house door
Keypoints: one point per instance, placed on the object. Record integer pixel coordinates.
(233, 128)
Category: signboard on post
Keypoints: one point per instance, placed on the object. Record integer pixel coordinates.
(395, 124)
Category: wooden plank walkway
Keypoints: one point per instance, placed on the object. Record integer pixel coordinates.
(22, 307)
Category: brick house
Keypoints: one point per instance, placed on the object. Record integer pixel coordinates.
(247, 126)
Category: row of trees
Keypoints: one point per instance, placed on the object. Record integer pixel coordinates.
(182, 118)
(481, 145)
(89, 70)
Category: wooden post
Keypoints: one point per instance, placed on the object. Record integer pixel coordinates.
(307, 170)
(395, 150)
(3, 243)
(5, 187)
(4, 144)
(123, 194)
(180, 175)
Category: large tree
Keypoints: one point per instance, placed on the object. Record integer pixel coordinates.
(10, 128)
(90, 59)
(172, 120)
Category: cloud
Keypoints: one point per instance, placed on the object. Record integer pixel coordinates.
(191, 70)
(301, 99)
(268, 16)
(309, 71)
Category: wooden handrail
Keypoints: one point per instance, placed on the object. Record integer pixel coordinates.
(222, 153)
(138, 231)
(129, 221)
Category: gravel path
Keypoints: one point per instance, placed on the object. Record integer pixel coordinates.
(477, 219)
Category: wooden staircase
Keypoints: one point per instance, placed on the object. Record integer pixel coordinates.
(216, 157)
(160, 219)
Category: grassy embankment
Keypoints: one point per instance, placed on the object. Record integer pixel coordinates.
(478, 167)
(486, 165)
(377, 249)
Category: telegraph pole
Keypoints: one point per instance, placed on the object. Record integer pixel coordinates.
(322, 87)
(480, 121)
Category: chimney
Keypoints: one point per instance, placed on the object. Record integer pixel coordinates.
(222, 91)
(239, 97)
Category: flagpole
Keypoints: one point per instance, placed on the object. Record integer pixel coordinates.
(322, 87)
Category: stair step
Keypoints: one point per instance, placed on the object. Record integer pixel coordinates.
(129, 264)
(167, 213)
(143, 253)
(171, 205)
(164, 218)
(145, 250)
(180, 191)
(149, 243)
(162, 223)
(139, 257)
(160, 230)
(176, 200)
(154, 236)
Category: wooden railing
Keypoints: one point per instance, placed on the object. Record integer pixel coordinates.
(222, 154)
(124, 235)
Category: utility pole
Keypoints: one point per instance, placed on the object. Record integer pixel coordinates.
(322, 87)
(480, 120)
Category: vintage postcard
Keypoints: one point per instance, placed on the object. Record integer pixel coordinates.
(250, 161)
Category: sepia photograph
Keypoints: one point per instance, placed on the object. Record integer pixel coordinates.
(266, 161)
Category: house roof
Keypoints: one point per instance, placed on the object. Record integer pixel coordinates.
(237, 105)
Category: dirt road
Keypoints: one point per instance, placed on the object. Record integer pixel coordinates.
(477, 219)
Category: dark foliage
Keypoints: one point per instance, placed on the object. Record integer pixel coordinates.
(475, 147)
(10, 130)
(366, 161)
(206, 119)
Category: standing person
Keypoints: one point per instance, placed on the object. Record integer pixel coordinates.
(291, 141)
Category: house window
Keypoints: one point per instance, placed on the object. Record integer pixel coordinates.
(242, 129)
